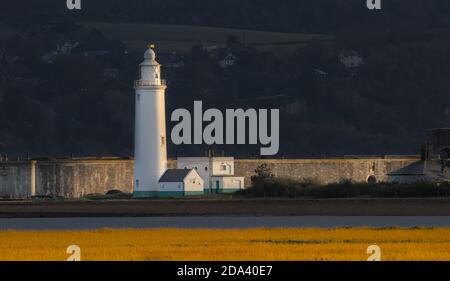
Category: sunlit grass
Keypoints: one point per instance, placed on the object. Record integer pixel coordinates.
(245, 244)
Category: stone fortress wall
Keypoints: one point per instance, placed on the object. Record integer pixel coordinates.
(327, 170)
(75, 178)
(68, 178)
(78, 178)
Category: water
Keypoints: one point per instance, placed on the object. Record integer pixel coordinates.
(219, 222)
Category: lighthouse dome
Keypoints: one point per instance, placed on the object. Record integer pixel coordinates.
(150, 54)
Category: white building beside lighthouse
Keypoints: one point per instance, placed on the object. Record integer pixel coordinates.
(150, 155)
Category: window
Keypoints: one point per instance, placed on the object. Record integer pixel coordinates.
(163, 141)
(137, 183)
(223, 167)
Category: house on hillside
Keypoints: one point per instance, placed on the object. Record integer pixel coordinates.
(5, 58)
(227, 60)
(172, 61)
(109, 73)
(210, 48)
(225, 57)
(320, 74)
(67, 47)
(351, 59)
(64, 49)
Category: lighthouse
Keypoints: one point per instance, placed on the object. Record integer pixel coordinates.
(150, 150)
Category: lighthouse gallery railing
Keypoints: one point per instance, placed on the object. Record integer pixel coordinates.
(144, 83)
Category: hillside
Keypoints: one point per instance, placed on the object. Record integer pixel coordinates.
(82, 102)
(181, 38)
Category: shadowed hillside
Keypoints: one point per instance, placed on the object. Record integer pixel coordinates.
(181, 38)
(367, 82)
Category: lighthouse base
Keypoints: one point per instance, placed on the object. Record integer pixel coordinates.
(165, 194)
(145, 194)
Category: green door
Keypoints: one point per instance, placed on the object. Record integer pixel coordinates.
(217, 186)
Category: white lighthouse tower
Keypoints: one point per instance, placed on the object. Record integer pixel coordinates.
(150, 150)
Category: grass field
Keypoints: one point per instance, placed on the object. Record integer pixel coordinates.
(246, 244)
(181, 38)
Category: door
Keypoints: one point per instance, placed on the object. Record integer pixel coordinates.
(217, 186)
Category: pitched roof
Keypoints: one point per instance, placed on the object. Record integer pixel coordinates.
(429, 168)
(416, 168)
(174, 175)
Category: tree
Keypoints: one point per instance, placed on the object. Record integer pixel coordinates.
(263, 173)
(232, 40)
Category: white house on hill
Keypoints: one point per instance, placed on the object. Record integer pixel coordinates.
(351, 59)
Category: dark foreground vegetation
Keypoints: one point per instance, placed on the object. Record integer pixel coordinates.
(265, 184)
(283, 187)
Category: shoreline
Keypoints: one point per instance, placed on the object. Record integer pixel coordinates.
(227, 222)
(226, 207)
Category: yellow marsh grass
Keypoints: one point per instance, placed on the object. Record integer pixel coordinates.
(243, 244)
